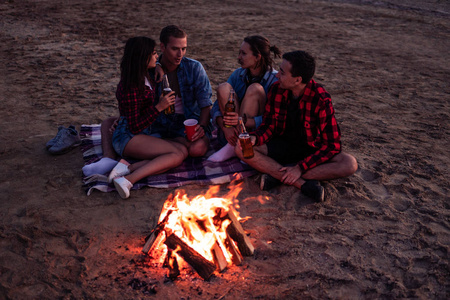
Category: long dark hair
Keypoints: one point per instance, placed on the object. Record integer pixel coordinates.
(133, 67)
(261, 45)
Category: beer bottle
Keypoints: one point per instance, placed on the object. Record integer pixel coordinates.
(230, 106)
(245, 141)
(166, 89)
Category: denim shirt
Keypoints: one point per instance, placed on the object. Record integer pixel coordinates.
(195, 87)
(237, 81)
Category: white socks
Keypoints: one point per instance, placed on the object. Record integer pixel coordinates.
(223, 154)
(102, 166)
(121, 169)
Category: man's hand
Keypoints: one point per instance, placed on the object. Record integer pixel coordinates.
(199, 133)
(252, 140)
(291, 175)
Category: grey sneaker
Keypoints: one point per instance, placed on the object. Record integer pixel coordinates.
(53, 140)
(68, 140)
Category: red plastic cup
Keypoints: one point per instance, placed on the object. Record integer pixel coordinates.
(190, 125)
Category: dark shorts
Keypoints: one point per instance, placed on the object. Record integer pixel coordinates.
(286, 153)
(171, 126)
(168, 126)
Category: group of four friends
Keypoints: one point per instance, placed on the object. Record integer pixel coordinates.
(289, 116)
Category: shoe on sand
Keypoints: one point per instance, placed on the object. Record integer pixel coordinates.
(121, 169)
(53, 140)
(313, 190)
(123, 187)
(268, 182)
(67, 140)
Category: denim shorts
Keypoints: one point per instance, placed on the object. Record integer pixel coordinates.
(122, 135)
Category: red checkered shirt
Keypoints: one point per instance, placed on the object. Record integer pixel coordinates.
(139, 110)
(317, 119)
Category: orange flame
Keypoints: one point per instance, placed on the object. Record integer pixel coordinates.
(200, 222)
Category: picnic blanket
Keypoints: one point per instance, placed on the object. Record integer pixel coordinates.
(192, 171)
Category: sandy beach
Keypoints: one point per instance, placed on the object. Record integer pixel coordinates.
(382, 233)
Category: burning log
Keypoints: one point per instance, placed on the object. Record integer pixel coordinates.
(236, 232)
(219, 257)
(155, 233)
(236, 256)
(204, 267)
(212, 235)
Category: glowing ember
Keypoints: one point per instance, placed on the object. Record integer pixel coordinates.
(204, 231)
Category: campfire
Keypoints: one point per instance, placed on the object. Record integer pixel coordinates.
(204, 232)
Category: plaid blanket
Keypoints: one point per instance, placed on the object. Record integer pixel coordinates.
(191, 171)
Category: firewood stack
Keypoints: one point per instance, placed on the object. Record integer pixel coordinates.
(237, 244)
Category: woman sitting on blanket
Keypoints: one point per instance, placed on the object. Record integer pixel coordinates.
(135, 94)
(251, 82)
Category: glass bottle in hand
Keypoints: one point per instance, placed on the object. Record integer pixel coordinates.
(230, 106)
(166, 89)
(245, 141)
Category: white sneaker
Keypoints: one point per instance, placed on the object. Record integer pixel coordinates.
(123, 187)
(119, 170)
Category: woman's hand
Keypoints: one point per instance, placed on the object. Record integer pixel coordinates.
(114, 126)
(231, 119)
(159, 73)
(165, 101)
(231, 134)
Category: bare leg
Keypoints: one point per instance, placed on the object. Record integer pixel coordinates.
(253, 103)
(223, 91)
(197, 148)
(108, 161)
(341, 165)
(157, 156)
(263, 163)
(107, 133)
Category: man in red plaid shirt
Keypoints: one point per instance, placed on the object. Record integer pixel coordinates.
(299, 140)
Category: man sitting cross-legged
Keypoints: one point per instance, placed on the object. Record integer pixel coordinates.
(298, 142)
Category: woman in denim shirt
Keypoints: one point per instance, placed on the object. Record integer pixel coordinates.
(251, 83)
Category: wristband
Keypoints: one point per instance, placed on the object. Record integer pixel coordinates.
(244, 119)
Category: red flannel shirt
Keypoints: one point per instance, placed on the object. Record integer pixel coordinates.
(139, 110)
(317, 119)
